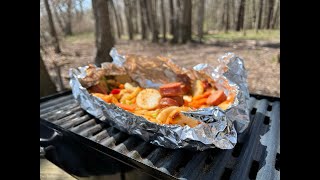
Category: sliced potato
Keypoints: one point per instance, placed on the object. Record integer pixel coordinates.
(163, 115)
(148, 99)
(187, 98)
(198, 88)
(129, 86)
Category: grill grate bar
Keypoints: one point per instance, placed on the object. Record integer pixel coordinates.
(157, 154)
(69, 118)
(217, 167)
(56, 107)
(75, 122)
(194, 165)
(144, 149)
(271, 140)
(132, 142)
(77, 129)
(53, 102)
(99, 136)
(61, 112)
(91, 130)
(173, 160)
(241, 171)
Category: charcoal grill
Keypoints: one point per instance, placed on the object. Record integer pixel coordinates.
(86, 148)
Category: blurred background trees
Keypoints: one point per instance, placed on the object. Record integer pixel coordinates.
(179, 21)
(173, 22)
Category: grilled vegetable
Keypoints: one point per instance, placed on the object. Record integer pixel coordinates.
(171, 89)
(198, 88)
(216, 98)
(148, 99)
(165, 102)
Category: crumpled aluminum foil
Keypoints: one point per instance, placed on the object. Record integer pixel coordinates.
(219, 128)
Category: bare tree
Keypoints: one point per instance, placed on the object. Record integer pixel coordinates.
(200, 19)
(53, 32)
(253, 5)
(186, 23)
(128, 13)
(69, 18)
(104, 38)
(57, 16)
(155, 31)
(176, 21)
(270, 13)
(117, 18)
(164, 27)
(152, 19)
(275, 16)
(171, 17)
(135, 19)
(227, 16)
(258, 25)
(241, 12)
(47, 87)
(234, 14)
(138, 14)
(81, 8)
(144, 20)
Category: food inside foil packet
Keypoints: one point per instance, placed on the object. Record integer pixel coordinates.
(162, 105)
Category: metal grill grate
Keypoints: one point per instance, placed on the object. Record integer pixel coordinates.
(256, 155)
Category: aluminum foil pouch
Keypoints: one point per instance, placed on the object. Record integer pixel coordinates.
(219, 128)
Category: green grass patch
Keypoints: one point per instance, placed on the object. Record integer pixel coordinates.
(81, 37)
(267, 35)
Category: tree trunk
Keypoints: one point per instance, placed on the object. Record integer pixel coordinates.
(275, 16)
(138, 23)
(223, 19)
(254, 14)
(245, 19)
(241, 15)
(186, 23)
(200, 19)
(62, 17)
(234, 14)
(119, 16)
(164, 27)
(260, 15)
(116, 18)
(136, 15)
(144, 20)
(104, 38)
(174, 22)
(81, 9)
(58, 19)
(155, 31)
(53, 32)
(47, 87)
(112, 20)
(128, 13)
(151, 11)
(270, 13)
(226, 4)
(171, 17)
(69, 18)
(177, 23)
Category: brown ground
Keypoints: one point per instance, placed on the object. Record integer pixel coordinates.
(260, 58)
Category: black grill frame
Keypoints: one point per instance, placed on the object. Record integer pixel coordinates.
(210, 164)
